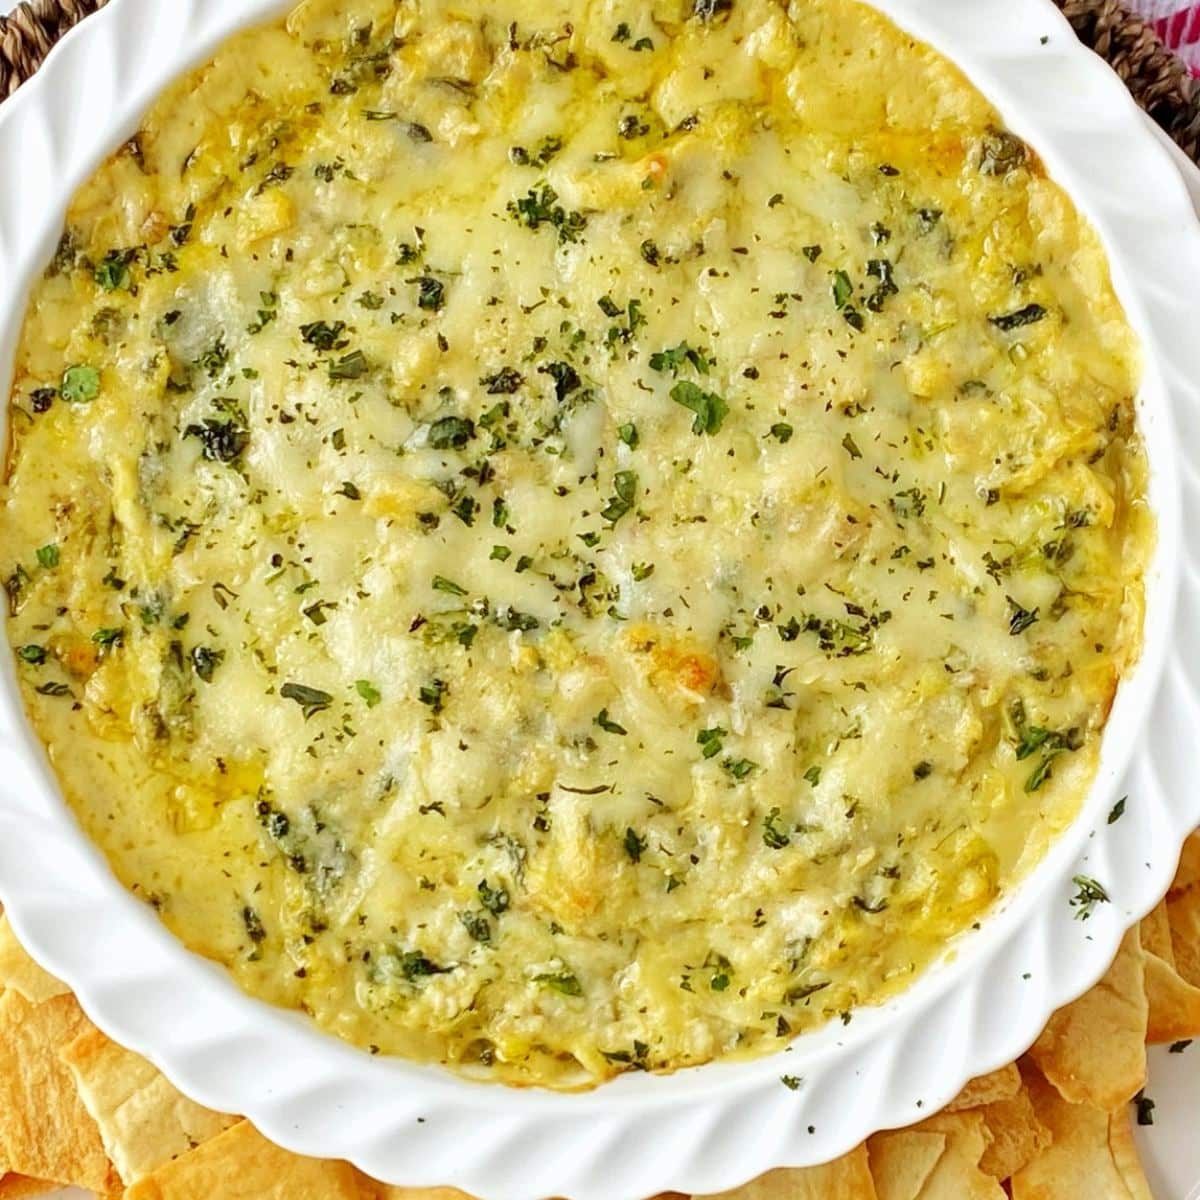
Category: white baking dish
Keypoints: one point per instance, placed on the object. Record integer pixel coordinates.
(713, 1127)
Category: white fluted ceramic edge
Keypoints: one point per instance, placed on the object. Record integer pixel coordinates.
(711, 1128)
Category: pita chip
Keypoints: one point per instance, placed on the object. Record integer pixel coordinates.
(45, 1131)
(1174, 1004)
(1125, 1155)
(1156, 934)
(144, 1121)
(902, 1161)
(1017, 1136)
(240, 1164)
(985, 1089)
(846, 1178)
(386, 1191)
(1188, 872)
(16, 1187)
(1080, 1160)
(1183, 918)
(1094, 1050)
(957, 1175)
(19, 972)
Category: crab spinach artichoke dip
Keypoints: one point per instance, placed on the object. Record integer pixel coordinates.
(570, 537)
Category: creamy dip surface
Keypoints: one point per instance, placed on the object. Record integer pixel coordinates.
(571, 537)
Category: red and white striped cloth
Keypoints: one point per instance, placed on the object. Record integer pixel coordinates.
(1178, 24)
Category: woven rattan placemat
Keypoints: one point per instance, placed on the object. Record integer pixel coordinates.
(1157, 79)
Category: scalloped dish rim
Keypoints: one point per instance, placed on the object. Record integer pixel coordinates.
(711, 1127)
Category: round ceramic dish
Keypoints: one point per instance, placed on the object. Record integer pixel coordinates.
(715, 1126)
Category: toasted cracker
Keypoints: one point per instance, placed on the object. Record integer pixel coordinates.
(1125, 1156)
(1188, 873)
(1156, 933)
(240, 1164)
(1017, 1136)
(1174, 1004)
(19, 972)
(957, 1175)
(1094, 1050)
(1080, 1160)
(387, 1191)
(45, 1131)
(901, 1161)
(846, 1178)
(1183, 918)
(986, 1089)
(144, 1121)
(16, 1187)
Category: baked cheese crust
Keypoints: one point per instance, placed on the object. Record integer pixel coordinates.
(570, 537)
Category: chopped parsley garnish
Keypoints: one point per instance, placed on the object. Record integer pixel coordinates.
(451, 433)
(1029, 315)
(442, 584)
(843, 289)
(1020, 618)
(431, 293)
(562, 981)
(47, 556)
(710, 409)
(311, 700)
(324, 337)
(1118, 811)
(676, 358)
(220, 441)
(504, 382)
(739, 768)
(113, 272)
(791, 1082)
(414, 965)
(625, 485)
(433, 695)
(253, 925)
(349, 366)
(710, 741)
(477, 926)
(495, 900)
(1090, 894)
(775, 837)
(881, 269)
(635, 845)
(513, 621)
(34, 655)
(539, 206)
(566, 378)
(368, 691)
(605, 722)
(205, 661)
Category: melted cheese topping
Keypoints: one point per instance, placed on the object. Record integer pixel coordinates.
(573, 536)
